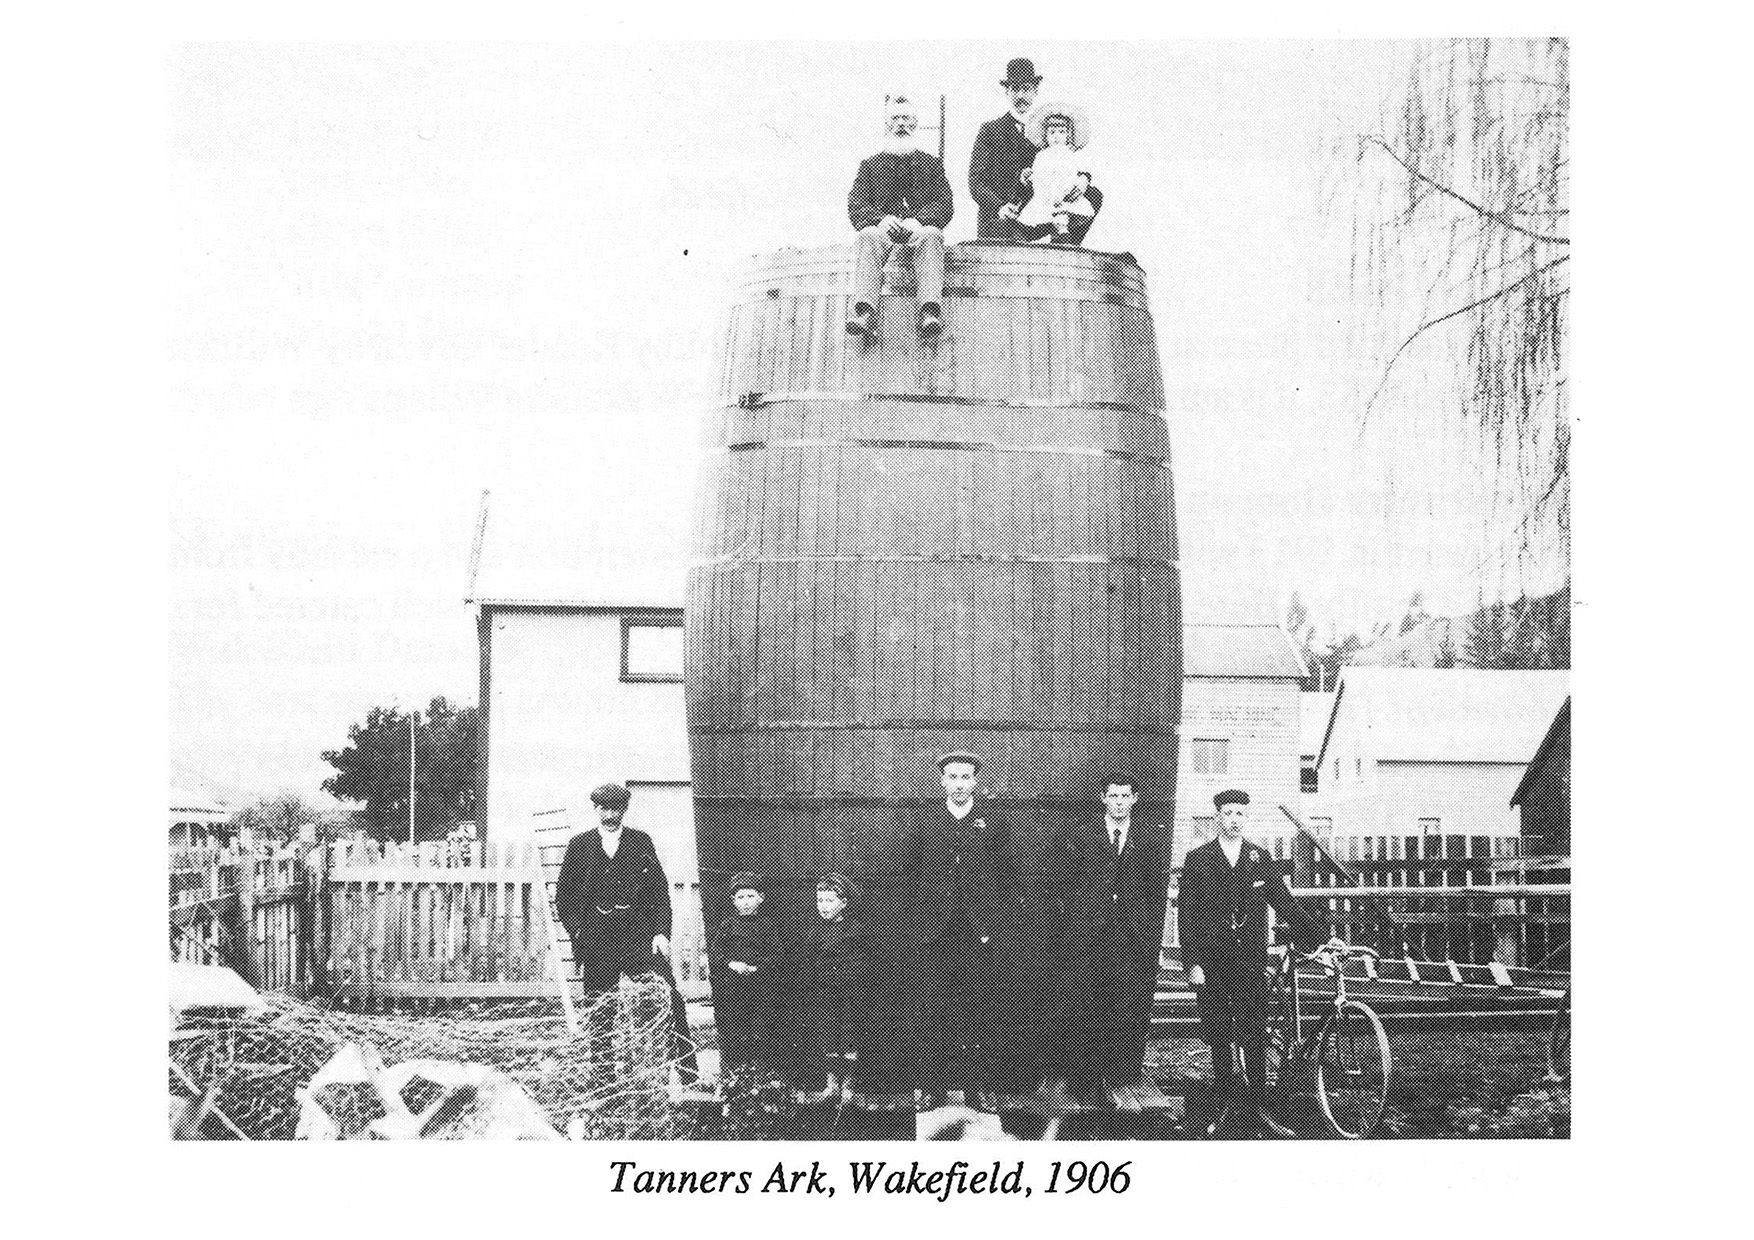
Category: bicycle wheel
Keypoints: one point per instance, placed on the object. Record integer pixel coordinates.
(1280, 1070)
(1559, 1044)
(1352, 1070)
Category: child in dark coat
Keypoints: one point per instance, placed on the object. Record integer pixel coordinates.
(833, 969)
(745, 957)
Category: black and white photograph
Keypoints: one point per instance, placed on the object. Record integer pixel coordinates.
(1002, 590)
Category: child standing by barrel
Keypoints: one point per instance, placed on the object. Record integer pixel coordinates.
(833, 968)
(745, 959)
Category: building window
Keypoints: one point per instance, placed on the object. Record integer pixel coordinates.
(651, 648)
(1211, 757)
(1307, 778)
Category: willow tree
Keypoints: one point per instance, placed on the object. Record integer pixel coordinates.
(1458, 208)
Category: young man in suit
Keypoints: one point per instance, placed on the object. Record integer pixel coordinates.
(1102, 887)
(1002, 152)
(899, 197)
(1227, 886)
(959, 879)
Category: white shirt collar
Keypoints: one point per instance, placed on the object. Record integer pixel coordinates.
(1109, 826)
(1232, 849)
(964, 812)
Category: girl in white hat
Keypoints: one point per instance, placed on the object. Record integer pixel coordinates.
(1059, 175)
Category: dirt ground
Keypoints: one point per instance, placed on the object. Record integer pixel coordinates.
(1446, 1085)
(1468, 1085)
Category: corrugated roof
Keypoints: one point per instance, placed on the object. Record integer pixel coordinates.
(184, 801)
(1240, 650)
(1449, 714)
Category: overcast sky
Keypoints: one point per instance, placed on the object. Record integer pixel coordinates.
(405, 275)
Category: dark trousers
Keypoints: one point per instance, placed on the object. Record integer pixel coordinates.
(744, 1015)
(1233, 1013)
(602, 975)
(951, 1000)
(1103, 1013)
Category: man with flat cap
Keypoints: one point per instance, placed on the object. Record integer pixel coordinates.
(1002, 151)
(959, 879)
(1227, 885)
(614, 902)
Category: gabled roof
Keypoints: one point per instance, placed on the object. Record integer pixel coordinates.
(547, 550)
(1561, 725)
(1447, 715)
(1244, 651)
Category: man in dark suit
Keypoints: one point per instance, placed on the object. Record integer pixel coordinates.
(959, 880)
(1227, 886)
(899, 197)
(1102, 887)
(1001, 154)
(614, 902)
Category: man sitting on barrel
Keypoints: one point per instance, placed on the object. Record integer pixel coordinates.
(899, 197)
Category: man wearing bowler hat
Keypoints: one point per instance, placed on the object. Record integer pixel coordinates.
(1226, 887)
(1002, 151)
(959, 877)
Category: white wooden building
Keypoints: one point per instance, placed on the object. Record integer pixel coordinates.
(1423, 753)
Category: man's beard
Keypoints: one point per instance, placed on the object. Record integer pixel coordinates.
(900, 144)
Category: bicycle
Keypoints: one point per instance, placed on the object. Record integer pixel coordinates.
(1345, 1049)
(1559, 1043)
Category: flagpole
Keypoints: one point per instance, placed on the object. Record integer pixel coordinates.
(410, 779)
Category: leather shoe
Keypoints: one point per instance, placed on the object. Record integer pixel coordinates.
(862, 321)
(931, 321)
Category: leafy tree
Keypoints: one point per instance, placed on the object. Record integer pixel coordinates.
(373, 770)
(1460, 218)
(276, 819)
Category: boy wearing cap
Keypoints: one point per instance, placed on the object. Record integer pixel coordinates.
(744, 957)
(1226, 888)
(959, 878)
(834, 966)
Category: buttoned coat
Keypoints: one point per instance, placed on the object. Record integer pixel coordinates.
(910, 186)
(1101, 931)
(576, 893)
(1218, 936)
(995, 172)
(986, 870)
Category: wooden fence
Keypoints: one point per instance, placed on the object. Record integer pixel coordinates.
(248, 910)
(449, 921)
(462, 921)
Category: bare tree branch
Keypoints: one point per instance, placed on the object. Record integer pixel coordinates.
(1497, 216)
(1444, 318)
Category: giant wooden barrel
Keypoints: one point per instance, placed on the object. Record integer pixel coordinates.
(903, 548)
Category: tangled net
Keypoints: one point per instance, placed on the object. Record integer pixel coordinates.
(610, 1081)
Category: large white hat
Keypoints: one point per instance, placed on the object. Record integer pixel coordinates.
(1038, 115)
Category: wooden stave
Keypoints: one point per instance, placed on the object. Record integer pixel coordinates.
(790, 800)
